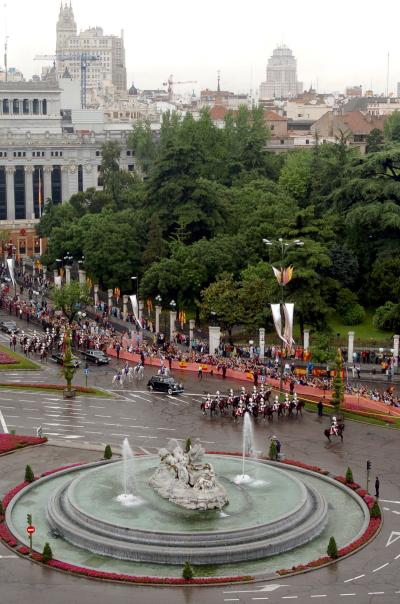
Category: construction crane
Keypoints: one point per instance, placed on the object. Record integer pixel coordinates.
(84, 58)
(171, 83)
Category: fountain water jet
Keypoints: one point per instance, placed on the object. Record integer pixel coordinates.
(128, 498)
(247, 447)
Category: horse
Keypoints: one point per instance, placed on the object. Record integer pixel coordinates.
(329, 432)
(138, 372)
(118, 380)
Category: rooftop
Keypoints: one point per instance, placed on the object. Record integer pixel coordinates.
(21, 86)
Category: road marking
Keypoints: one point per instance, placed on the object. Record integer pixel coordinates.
(393, 537)
(379, 567)
(3, 423)
(270, 587)
(354, 578)
(347, 594)
(132, 419)
(106, 416)
(169, 429)
(261, 598)
(395, 512)
(87, 432)
(95, 407)
(4, 407)
(71, 436)
(8, 557)
(289, 597)
(388, 501)
(397, 557)
(145, 450)
(375, 593)
(125, 435)
(231, 599)
(319, 596)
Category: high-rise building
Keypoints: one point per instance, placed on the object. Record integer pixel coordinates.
(281, 81)
(109, 51)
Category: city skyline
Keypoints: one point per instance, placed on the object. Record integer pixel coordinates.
(224, 37)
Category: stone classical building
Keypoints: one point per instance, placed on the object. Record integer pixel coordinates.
(281, 81)
(42, 159)
(109, 51)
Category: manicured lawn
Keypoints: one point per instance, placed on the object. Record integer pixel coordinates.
(21, 362)
(365, 332)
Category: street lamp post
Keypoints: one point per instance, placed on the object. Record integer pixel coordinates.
(283, 247)
(158, 300)
(172, 319)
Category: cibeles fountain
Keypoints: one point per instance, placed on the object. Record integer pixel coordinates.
(184, 504)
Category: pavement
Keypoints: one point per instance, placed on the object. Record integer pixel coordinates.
(82, 427)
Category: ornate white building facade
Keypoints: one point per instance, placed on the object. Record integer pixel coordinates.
(37, 151)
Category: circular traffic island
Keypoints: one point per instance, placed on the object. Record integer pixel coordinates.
(279, 517)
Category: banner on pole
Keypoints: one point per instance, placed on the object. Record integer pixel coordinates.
(10, 264)
(135, 309)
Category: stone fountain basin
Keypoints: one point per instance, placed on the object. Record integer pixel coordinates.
(274, 513)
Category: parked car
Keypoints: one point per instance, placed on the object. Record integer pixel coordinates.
(9, 327)
(98, 357)
(162, 383)
(58, 357)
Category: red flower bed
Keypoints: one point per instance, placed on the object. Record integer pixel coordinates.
(6, 536)
(23, 550)
(351, 485)
(300, 464)
(97, 574)
(7, 498)
(5, 359)
(10, 442)
(48, 386)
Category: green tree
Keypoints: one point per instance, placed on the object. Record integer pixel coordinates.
(387, 317)
(187, 572)
(47, 554)
(349, 476)
(68, 368)
(332, 550)
(71, 299)
(142, 141)
(338, 388)
(29, 475)
(375, 511)
(273, 451)
(110, 154)
(108, 452)
(222, 298)
(375, 140)
(392, 127)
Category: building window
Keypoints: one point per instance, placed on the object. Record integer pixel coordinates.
(80, 178)
(19, 192)
(282, 141)
(35, 106)
(3, 194)
(128, 153)
(15, 106)
(272, 128)
(97, 153)
(6, 106)
(36, 246)
(131, 167)
(22, 247)
(44, 106)
(25, 106)
(56, 185)
(307, 141)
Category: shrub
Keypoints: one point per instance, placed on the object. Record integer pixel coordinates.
(349, 476)
(108, 452)
(188, 444)
(354, 315)
(273, 451)
(375, 511)
(47, 554)
(332, 550)
(187, 572)
(29, 475)
(346, 299)
(387, 317)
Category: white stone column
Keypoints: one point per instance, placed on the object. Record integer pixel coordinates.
(110, 296)
(67, 275)
(82, 276)
(96, 294)
(192, 324)
(10, 192)
(172, 321)
(396, 340)
(65, 184)
(214, 338)
(29, 210)
(350, 348)
(306, 341)
(44, 271)
(158, 313)
(261, 342)
(47, 170)
(55, 274)
(125, 301)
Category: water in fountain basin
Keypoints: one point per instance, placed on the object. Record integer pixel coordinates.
(128, 498)
(247, 448)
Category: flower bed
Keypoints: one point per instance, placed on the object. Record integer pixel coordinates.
(11, 442)
(6, 359)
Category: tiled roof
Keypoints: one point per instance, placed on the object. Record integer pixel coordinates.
(359, 123)
(271, 116)
(218, 112)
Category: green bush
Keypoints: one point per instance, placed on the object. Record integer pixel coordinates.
(47, 554)
(375, 511)
(320, 347)
(188, 444)
(332, 550)
(387, 317)
(346, 299)
(354, 315)
(349, 476)
(187, 572)
(108, 452)
(273, 451)
(29, 475)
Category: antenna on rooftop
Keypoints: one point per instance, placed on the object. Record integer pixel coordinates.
(5, 43)
(219, 81)
(387, 75)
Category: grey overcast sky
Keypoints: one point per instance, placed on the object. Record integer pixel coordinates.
(336, 44)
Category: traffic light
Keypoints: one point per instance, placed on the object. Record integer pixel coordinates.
(29, 519)
(368, 464)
